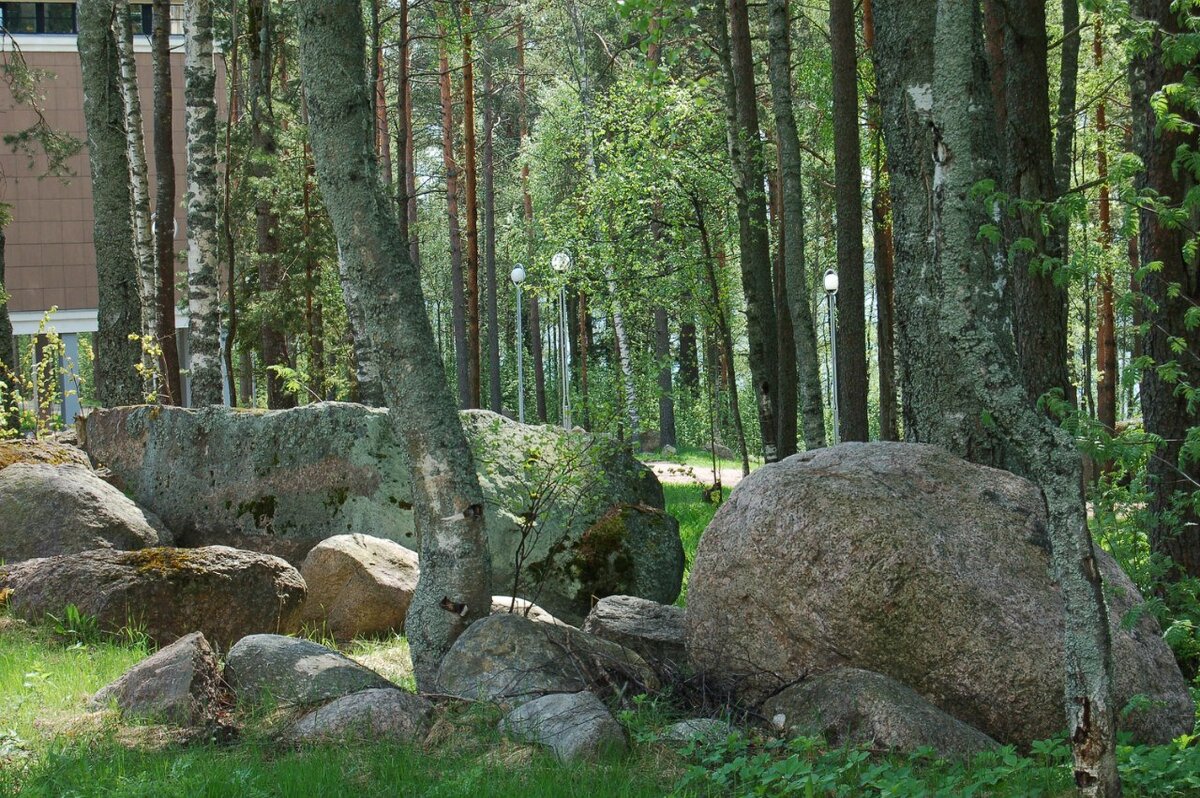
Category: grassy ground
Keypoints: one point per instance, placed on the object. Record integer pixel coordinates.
(687, 504)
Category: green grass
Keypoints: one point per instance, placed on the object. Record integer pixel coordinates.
(699, 458)
(686, 503)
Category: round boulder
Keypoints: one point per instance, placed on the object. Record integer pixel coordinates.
(905, 560)
(358, 586)
(376, 714)
(294, 672)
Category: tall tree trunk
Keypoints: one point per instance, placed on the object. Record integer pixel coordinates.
(1106, 331)
(535, 321)
(495, 401)
(689, 354)
(788, 392)
(406, 185)
(234, 73)
(884, 256)
(470, 178)
(382, 141)
(662, 322)
(458, 297)
(1068, 90)
(791, 168)
(139, 186)
(852, 382)
(962, 380)
(204, 307)
(119, 314)
(746, 150)
(10, 416)
(164, 204)
(455, 585)
(1164, 406)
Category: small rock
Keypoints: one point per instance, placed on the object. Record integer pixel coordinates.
(709, 730)
(294, 672)
(573, 725)
(382, 713)
(655, 631)
(669, 451)
(511, 660)
(519, 606)
(650, 440)
(179, 684)
(44, 452)
(358, 586)
(722, 451)
(849, 706)
(165, 593)
(47, 510)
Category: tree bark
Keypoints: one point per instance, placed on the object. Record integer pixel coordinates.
(1068, 90)
(535, 321)
(788, 392)
(792, 171)
(10, 416)
(470, 177)
(119, 313)
(962, 376)
(1165, 407)
(495, 400)
(1106, 330)
(852, 379)
(235, 96)
(171, 391)
(458, 296)
(204, 307)
(746, 151)
(689, 356)
(454, 589)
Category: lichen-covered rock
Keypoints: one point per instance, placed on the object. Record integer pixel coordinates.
(293, 672)
(45, 452)
(358, 586)
(510, 660)
(282, 481)
(380, 714)
(708, 730)
(179, 684)
(849, 706)
(905, 560)
(224, 593)
(655, 631)
(47, 510)
(575, 726)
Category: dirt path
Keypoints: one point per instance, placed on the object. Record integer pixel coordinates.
(678, 474)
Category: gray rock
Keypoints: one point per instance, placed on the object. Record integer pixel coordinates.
(848, 706)
(905, 560)
(179, 684)
(655, 631)
(41, 451)
(510, 659)
(709, 730)
(358, 586)
(47, 510)
(282, 481)
(294, 672)
(650, 440)
(166, 593)
(574, 725)
(722, 451)
(669, 451)
(519, 606)
(378, 714)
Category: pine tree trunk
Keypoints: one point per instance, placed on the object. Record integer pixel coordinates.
(1164, 407)
(851, 324)
(535, 321)
(234, 72)
(455, 585)
(458, 297)
(204, 307)
(403, 127)
(1106, 331)
(788, 393)
(791, 168)
(1068, 89)
(689, 355)
(171, 392)
(495, 400)
(962, 382)
(470, 179)
(754, 247)
(120, 312)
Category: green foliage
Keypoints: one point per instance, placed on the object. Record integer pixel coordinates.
(30, 395)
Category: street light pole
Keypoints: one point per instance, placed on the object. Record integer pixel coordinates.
(831, 289)
(518, 277)
(561, 262)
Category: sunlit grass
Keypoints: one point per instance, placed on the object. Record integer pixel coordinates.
(686, 503)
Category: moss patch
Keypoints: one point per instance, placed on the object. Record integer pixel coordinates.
(164, 561)
(602, 562)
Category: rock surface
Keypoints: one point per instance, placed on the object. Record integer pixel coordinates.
(47, 510)
(655, 631)
(574, 725)
(167, 593)
(358, 586)
(179, 684)
(45, 452)
(377, 714)
(511, 660)
(519, 606)
(848, 706)
(282, 481)
(905, 560)
(294, 672)
(709, 730)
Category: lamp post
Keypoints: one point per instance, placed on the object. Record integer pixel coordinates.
(561, 262)
(831, 289)
(518, 276)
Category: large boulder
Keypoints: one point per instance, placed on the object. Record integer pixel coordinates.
(510, 659)
(655, 631)
(379, 714)
(46, 510)
(358, 586)
(293, 672)
(905, 560)
(166, 593)
(41, 451)
(849, 706)
(575, 726)
(179, 684)
(520, 606)
(282, 481)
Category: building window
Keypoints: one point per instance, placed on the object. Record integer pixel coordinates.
(19, 17)
(142, 17)
(38, 17)
(58, 18)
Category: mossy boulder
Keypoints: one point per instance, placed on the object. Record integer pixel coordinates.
(589, 517)
(165, 593)
(45, 452)
(290, 671)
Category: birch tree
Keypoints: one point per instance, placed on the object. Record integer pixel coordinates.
(204, 308)
(454, 588)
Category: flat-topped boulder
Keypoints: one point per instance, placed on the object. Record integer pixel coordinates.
(41, 451)
(291, 671)
(591, 516)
